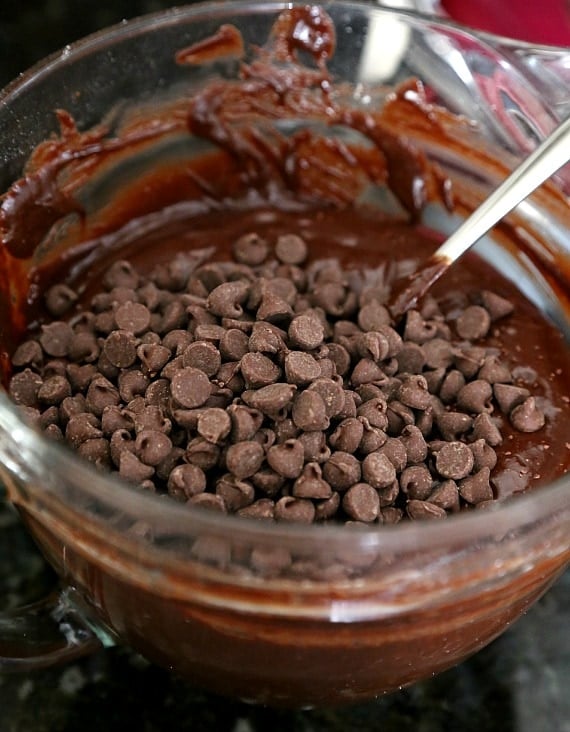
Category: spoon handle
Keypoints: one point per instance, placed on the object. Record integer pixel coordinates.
(548, 157)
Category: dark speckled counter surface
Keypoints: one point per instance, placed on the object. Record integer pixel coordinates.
(520, 683)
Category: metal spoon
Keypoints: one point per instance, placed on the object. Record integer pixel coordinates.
(548, 157)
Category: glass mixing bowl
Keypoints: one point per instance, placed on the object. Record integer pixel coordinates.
(210, 596)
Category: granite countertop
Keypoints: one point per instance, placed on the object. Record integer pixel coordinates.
(518, 684)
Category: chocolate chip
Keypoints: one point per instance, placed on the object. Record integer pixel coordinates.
(149, 417)
(527, 417)
(497, 306)
(100, 394)
(186, 481)
(158, 393)
(82, 427)
(264, 509)
(416, 482)
(348, 435)
(28, 353)
(115, 418)
(60, 299)
(268, 481)
(378, 470)
(361, 503)
(258, 370)
(72, 405)
(454, 460)
(486, 429)
(131, 384)
(306, 332)
(214, 425)
(245, 422)
(274, 309)
(204, 356)
(176, 341)
(174, 317)
(395, 450)
(96, 451)
(375, 412)
(494, 371)
(310, 484)
(190, 387)
(420, 510)
(327, 508)
(84, 347)
(373, 316)
(301, 368)
(509, 396)
(243, 459)
(469, 360)
(438, 353)
(291, 249)
(332, 394)
(202, 453)
(234, 344)
(342, 470)
(391, 515)
(446, 495)
(209, 501)
(388, 496)
(236, 493)
(476, 488)
(483, 454)
(452, 425)
(152, 446)
(475, 396)
(315, 446)
(133, 317)
(451, 385)
(226, 300)
(120, 274)
(266, 338)
(398, 416)
(53, 431)
(473, 323)
(55, 338)
(366, 371)
(272, 400)
(414, 444)
(413, 392)
(417, 329)
(372, 437)
(309, 411)
(250, 249)
(295, 510)
(120, 348)
(81, 376)
(54, 390)
(372, 345)
(411, 358)
(132, 469)
(287, 458)
(334, 299)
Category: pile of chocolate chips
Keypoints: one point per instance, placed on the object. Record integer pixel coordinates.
(275, 389)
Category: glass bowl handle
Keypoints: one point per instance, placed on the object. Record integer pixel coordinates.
(48, 632)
